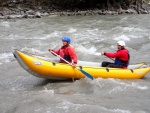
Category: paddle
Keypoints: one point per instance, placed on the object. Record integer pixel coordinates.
(85, 73)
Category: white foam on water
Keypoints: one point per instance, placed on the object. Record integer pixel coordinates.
(33, 51)
(11, 37)
(5, 58)
(83, 107)
(64, 105)
(5, 24)
(91, 51)
(45, 36)
(48, 91)
(135, 85)
(41, 38)
(37, 37)
(131, 29)
(121, 111)
(117, 89)
(92, 31)
(123, 85)
(39, 54)
(116, 110)
(71, 30)
(117, 85)
(53, 34)
(133, 36)
(122, 37)
(124, 19)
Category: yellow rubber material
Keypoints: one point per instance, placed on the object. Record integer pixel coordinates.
(48, 69)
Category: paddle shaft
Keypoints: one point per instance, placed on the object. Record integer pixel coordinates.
(61, 58)
(81, 70)
(110, 58)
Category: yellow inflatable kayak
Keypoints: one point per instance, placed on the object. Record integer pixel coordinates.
(60, 71)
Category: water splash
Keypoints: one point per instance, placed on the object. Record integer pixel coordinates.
(122, 37)
(91, 51)
(71, 30)
(5, 24)
(5, 58)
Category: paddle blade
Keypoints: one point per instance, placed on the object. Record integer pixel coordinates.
(86, 74)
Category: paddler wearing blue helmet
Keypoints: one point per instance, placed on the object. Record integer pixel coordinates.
(67, 52)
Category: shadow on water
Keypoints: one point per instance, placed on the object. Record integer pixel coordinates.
(147, 77)
(48, 81)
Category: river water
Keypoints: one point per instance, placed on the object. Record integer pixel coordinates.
(23, 93)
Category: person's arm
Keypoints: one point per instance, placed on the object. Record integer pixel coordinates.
(111, 55)
(57, 52)
(73, 55)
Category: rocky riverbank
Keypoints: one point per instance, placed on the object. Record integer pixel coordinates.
(38, 12)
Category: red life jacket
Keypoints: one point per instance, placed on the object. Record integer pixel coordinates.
(68, 53)
(122, 57)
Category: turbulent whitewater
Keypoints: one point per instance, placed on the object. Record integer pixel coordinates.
(23, 93)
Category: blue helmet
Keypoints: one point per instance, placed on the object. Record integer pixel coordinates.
(67, 39)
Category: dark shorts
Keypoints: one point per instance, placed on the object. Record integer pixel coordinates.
(110, 64)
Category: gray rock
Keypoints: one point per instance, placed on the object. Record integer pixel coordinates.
(22, 12)
(30, 12)
(37, 15)
(2, 17)
(14, 16)
(45, 14)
